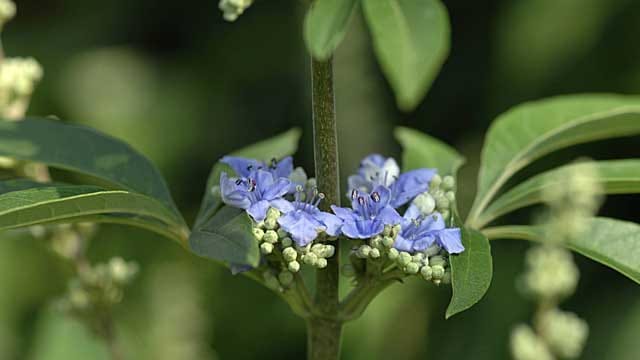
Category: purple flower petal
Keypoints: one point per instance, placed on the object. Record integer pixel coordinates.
(284, 167)
(362, 229)
(389, 216)
(424, 242)
(283, 205)
(232, 194)
(345, 214)
(411, 184)
(403, 244)
(451, 240)
(278, 189)
(331, 222)
(301, 225)
(258, 210)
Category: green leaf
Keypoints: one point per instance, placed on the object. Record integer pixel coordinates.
(235, 243)
(325, 25)
(411, 42)
(613, 243)
(616, 177)
(471, 272)
(227, 237)
(48, 203)
(423, 151)
(532, 130)
(86, 151)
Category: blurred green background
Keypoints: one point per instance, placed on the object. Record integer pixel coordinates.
(185, 87)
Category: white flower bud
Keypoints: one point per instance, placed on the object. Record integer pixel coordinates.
(425, 203)
(437, 260)
(310, 259)
(374, 253)
(426, 272)
(435, 182)
(120, 271)
(294, 266)
(451, 196)
(232, 9)
(404, 258)
(271, 223)
(321, 263)
(448, 183)
(282, 233)
(412, 268)
(432, 250)
(328, 251)
(395, 231)
(526, 345)
(7, 11)
(417, 258)
(258, 233)
(270, 237)
(376, 241)
(289, 254)
(446, 279)
(260, 225)
(393, 254)
(564, 332)
(388, 241)
(363, 251)
(438, 272)
(273, 213)
(266, 248)
(387, 230)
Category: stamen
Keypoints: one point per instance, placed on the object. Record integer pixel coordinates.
(375, 196)
(252, 185)
(239, 181)
(320, 198)
(354, 194)
(250, 167)
(274, 163)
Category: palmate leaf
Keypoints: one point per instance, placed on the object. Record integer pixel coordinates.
(84, 150)
(613, 243)
(25, 203)
(534, 129)
(325, 25)
(615, 176)
(223, 233)
(411, 42)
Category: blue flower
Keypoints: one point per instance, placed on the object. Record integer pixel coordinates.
(306, 220)
(243, 166)
(376, 170)
(369, 213)
(420, 231)
(256, 193)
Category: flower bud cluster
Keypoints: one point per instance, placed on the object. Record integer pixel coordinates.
(440, 197)
(527, 345)
(564, 332)
(550, 273)
(281, 251)
(430, 264)
(96, 289)
(18, 78)
(232, 9)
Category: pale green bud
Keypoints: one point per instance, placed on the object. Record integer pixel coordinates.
(446, 279)
(437, 261)
(285, 278)
(232, 9)
(79, 298)
(289, 254)
(266, 248)
(451, 196)
(270, 236)
(448, 183)
(404, 258)
(7, 11)
(260, 225)
(388, 241)
(120, 271)
(271, 281)
(551, 272)
(435, 182)
(432, 250)
(363, 251)
(442, 203)
(425, 203)
(564, 332)
(438, 272)
(321, 263)
(273, 213)
(258, 233)
(270, 223)
(374, 253)
(294, 266)
(526, 345)
(412, 268)
(281, 233)
(328, 251)
(393, 254)
(387, 230)
(376, 242)
(286, 241)
(310, 258)
(418, 258)
(298, 176)
(426, 272)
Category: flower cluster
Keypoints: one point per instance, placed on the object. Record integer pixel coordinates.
(232, 9)
(292, 230)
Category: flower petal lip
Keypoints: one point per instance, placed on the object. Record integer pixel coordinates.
(242, 166)
(258, 210)
(450, 239)
(302, 226)
(232, 193)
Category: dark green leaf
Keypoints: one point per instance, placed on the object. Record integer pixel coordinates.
(71, 203)
(325, 26)
(420, 150)
(471, 272)
(534, 129)
(613, 243)
(83, 150)
(411, 42)
(227, 237)
(616, 177)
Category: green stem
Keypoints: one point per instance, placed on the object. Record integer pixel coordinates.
(325, 329)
